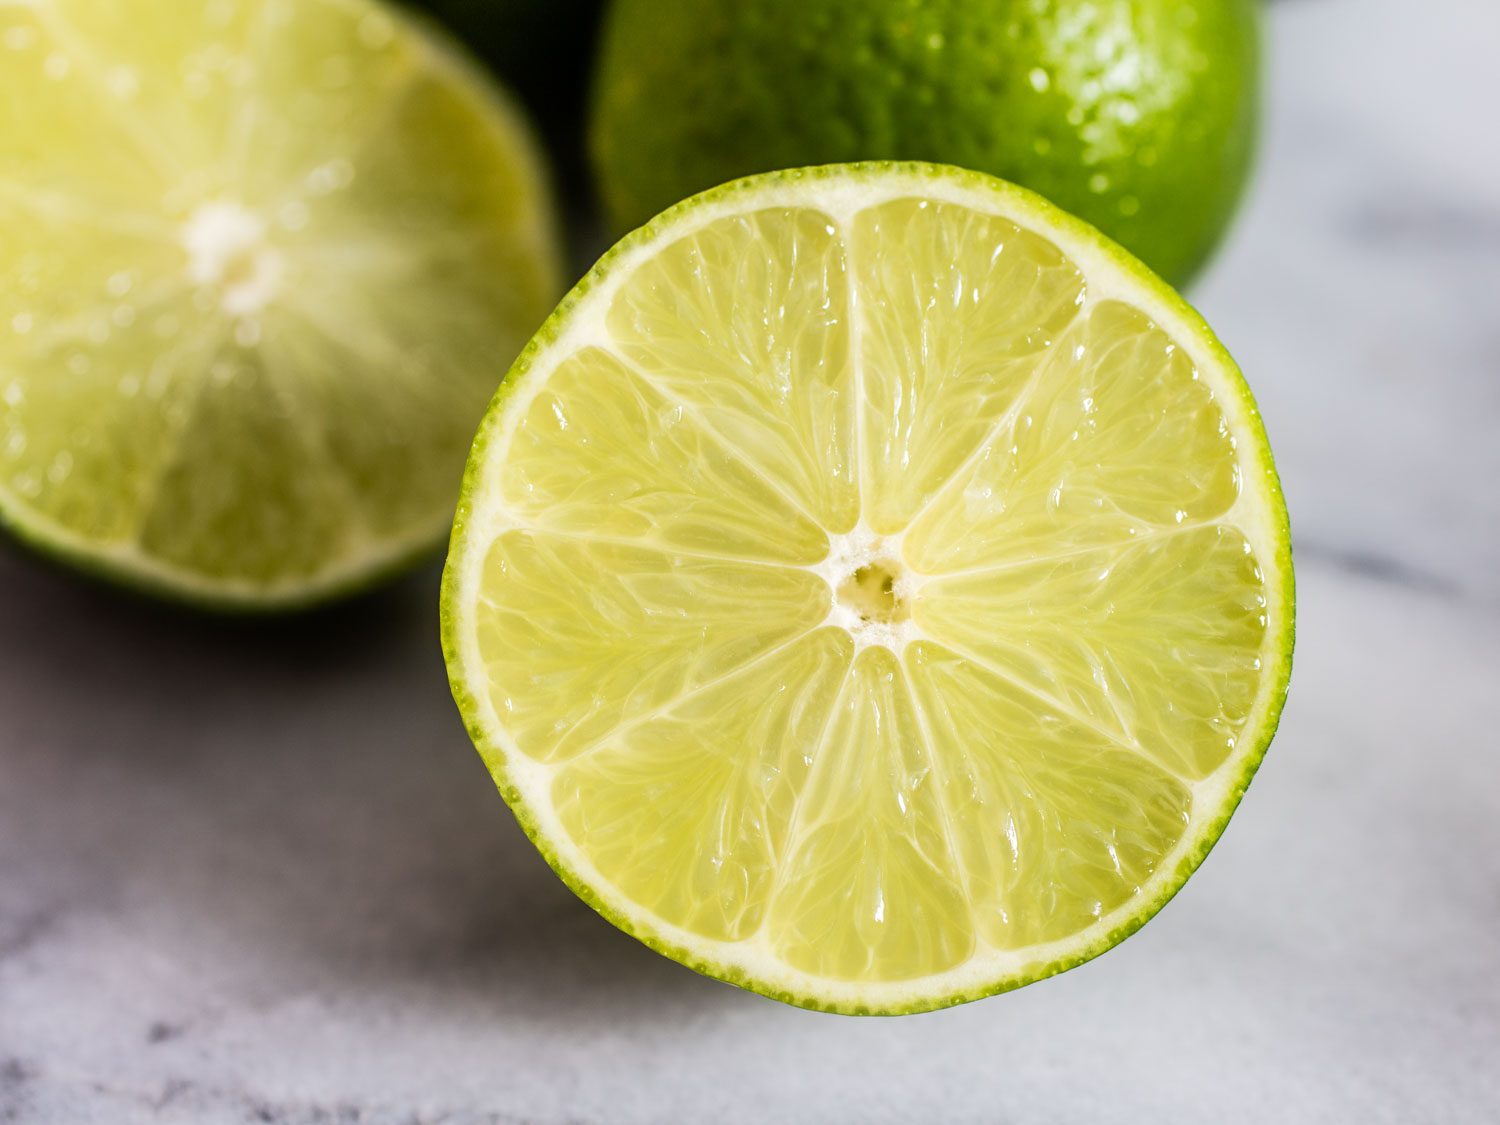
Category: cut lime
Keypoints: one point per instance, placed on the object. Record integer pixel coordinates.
(263, 262)
(872, 588)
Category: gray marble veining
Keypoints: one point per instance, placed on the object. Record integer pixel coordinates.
(256, 873)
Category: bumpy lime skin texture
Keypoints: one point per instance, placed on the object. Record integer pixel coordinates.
(1136, 115)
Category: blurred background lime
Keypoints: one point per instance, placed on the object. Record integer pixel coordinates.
(1138, 115)
(544, 51)
(263, 265)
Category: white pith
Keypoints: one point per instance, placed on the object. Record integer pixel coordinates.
(841, 198)
(228, 252)
(848, 553)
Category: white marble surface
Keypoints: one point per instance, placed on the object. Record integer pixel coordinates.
(258, 874)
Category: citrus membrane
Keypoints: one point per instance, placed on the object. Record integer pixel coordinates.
(871, 587)
(263, 261)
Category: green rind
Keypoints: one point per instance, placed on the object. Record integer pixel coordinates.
(192, 590)
(1140, 116)
(223, 600)
(1280, 677)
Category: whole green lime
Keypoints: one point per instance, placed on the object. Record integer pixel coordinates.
(1137, 115)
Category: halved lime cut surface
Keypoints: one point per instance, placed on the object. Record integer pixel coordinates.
(872, 588)
(263, 263)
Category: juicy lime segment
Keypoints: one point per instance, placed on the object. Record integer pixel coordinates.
(872, 588)
(263, 260)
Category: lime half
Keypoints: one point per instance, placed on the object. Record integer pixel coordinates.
(264, 260)
(872, 588)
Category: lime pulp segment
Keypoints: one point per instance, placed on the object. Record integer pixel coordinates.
(872, 588)
(263, 261)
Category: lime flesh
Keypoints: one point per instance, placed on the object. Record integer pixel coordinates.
(872, 588)
(264, 260)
